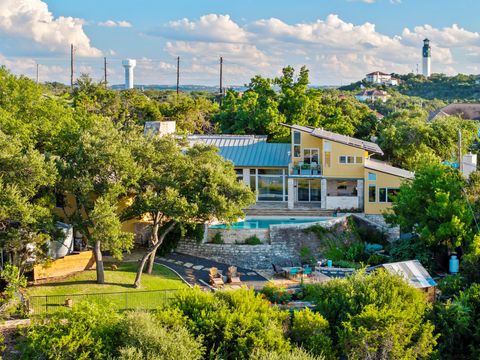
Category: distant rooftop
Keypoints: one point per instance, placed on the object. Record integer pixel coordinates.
(465, 111)
(342, 139)
(247, 150)
(378, 73)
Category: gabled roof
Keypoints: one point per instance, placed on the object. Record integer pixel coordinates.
(373, 92)
(466, 111)
(247, 150)
(413, 272)
(382, 166)
(378, 73)
(342, 139)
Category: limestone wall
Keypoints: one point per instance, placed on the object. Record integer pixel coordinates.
(284, 247)
(233, 236)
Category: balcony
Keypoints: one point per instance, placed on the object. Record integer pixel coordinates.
(304, 170)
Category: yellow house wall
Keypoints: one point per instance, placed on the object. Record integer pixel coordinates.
(345, 170)
(383, 181)
(336, 169)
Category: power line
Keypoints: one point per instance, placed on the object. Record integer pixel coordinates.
(71, 65)
(105, 71)
(178, 74)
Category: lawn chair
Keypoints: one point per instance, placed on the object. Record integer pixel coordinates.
(277, 270)
(307, 270)
(232, 276)
(216, 279)
(293, 272)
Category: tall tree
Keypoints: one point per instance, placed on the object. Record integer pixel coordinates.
(192, 186)
(96, 171)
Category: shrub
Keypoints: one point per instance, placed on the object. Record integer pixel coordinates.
(413, 248)
(218, 239)
(355, 308)
(88, 331)
(451, 285)
(306, 255)
(458, 323)
(276, 294)
(346, 264)
(146, 338)
(310, 331)
(232, 324)
(253, 240)
(295, 354)
(318, 230)
(376, 259)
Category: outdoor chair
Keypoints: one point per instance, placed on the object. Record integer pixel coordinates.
(307, 270)
(232, 276)
(216, 279)
(277, 270)
(293, 272)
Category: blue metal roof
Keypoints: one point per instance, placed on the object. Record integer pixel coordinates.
(247, 150)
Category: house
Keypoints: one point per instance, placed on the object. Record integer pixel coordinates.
(317, 169)
(381, 78)
(372, 95)
(415, 274)
(465, 111)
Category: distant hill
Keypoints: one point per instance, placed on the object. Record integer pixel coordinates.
(458, 88)
(204, 88)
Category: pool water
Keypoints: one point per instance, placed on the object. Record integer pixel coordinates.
(264, 223)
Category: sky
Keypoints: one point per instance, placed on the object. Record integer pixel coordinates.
(338, 40)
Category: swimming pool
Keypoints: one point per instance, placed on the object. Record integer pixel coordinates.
(264, 223)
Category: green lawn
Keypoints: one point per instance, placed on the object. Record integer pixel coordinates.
(118, 289)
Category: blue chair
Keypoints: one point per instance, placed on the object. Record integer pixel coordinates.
(307, 270)
(294, 272)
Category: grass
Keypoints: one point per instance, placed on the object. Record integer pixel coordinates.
(118, 289)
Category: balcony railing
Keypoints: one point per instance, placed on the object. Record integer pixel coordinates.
(304, 170)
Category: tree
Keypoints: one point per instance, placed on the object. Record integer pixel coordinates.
(195, 186)
(26, 222)
(433, 206)
(96, 171)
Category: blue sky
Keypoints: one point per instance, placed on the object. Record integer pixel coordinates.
(338, 40)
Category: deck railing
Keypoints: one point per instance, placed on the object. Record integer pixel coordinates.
(304, 170)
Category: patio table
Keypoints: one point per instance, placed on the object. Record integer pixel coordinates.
(288, 271)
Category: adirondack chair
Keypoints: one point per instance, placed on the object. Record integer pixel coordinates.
(216, 279)
(232, 276)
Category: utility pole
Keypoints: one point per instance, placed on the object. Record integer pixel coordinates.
(459, 150)
(221, 78)
(71, 66)
(105, 71)
(178, 75)
(37, 74)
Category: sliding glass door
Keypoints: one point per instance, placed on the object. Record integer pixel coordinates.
(309, 190)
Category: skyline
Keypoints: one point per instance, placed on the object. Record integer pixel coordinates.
(338, 40)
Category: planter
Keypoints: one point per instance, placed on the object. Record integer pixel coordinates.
(306, 171)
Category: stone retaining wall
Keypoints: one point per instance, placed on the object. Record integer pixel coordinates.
(233, 236)
(284, 247)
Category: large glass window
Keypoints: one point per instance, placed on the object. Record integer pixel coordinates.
(310, 156)
(239, 173)
(270, 188)
(382, 195)
(297, 141)
(253, 179)
(309, 190)
(372, 193)
(391, 194)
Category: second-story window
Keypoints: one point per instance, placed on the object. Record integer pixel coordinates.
(327, 151)
(297, 141)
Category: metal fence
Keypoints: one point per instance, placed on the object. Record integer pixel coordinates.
(148, 299)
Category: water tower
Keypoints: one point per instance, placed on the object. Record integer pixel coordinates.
(129, 64)
(426, 52)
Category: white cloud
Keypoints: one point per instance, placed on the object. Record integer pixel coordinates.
(333, 49)
(30, 22)
(212, 27)
(113, 23)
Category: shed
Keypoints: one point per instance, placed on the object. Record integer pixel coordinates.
(415, 274)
